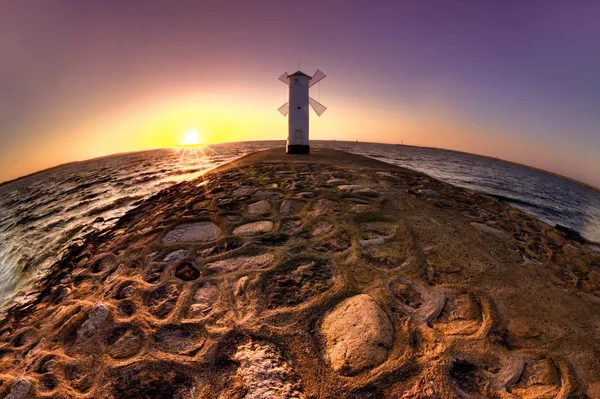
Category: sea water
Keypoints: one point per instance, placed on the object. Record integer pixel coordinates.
(41, 215)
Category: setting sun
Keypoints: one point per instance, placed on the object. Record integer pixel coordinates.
(191, 138)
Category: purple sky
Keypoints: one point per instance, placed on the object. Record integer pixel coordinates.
(515, 79)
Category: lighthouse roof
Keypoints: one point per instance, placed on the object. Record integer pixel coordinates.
(300, 73)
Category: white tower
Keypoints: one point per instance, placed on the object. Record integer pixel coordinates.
(297, 107)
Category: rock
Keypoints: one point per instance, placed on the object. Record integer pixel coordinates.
(361, 208)
(356, 189)
(429, 192)
(374, 241)
(324, 207)
(20, 389)
(322, 227)
(499, 234)
(570, 233)
(305, 194)
(178, 339)
(241, 263)
(462, 315)
(203, 300)
(96, 318)
(290, 226)
(358, 334)
(242, 191)
(335, 181)
(290, 207)
(124, 341)
(259, 207)
(180, 253)
(254, 228)
(202, 231)
(267, 195)
(264, 374)
(241, 285)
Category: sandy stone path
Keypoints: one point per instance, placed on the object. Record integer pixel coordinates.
(327, 275)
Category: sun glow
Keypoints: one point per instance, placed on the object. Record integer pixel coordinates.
(191, 138)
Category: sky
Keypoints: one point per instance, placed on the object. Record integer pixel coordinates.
(518, 80)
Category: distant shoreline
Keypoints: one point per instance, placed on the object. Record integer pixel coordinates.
(587, 185)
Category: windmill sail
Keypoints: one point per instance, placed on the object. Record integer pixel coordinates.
(317, 77)
(284, 78)
(318, 107)
(284, 109)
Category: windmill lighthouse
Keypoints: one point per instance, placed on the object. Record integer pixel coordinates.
(297, 107)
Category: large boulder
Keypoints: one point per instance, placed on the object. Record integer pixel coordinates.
(358, 335)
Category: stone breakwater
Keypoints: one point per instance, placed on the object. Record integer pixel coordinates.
(320, 276)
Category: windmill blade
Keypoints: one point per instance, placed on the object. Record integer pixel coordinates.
(284, 78)
(317, 77)
(284, 109)
(318, 107)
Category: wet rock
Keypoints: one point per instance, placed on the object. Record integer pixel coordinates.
(264, 374)
(96, 318)
(358, 334)
(174, 255)
(254, 228)
(499, 234)
(259, 207)
(241, 263)
(202, 231)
